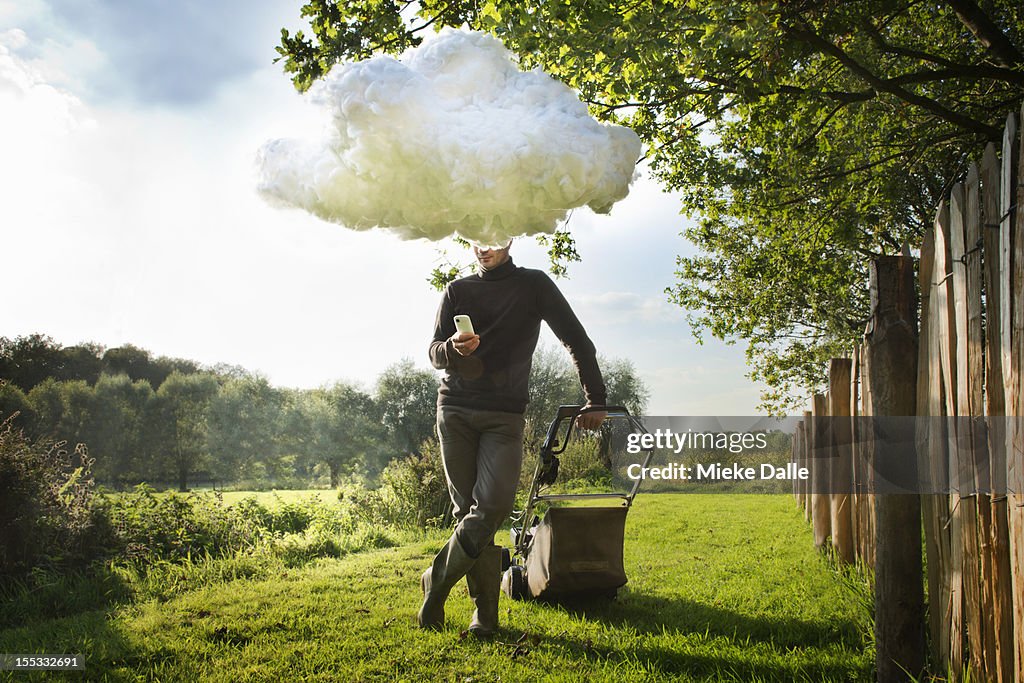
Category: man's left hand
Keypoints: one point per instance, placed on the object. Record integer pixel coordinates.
(591, 420)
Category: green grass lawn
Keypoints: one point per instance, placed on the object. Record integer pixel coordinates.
(721, 588)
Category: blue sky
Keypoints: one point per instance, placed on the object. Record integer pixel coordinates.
(128, 132)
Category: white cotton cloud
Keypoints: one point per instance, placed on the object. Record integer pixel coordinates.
(451, 138)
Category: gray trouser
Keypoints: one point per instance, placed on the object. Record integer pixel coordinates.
(482, 452)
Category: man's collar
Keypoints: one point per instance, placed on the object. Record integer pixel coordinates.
(499, 273)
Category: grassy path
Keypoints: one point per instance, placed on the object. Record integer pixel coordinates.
(721, 588)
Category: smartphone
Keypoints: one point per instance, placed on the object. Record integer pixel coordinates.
(464, 324)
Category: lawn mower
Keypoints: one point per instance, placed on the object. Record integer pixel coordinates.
(574, 551)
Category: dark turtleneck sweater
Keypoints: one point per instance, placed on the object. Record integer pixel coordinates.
(506, 305)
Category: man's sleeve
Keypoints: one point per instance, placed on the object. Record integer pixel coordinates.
(559, 316)
(441, 351)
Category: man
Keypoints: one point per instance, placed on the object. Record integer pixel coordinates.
(480, 408)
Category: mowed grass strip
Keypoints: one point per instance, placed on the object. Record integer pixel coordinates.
(721, 588)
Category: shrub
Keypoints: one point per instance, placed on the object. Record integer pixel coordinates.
(298, 549)
(580, 467)
(309, 514)
(291, 518)
(149, 526)
(255, 513)
(47, 517)
(413, 492)
(581, 463)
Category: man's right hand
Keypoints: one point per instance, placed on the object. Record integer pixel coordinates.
(465, 343)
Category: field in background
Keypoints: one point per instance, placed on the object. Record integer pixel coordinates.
(725, 588)
(271, 498)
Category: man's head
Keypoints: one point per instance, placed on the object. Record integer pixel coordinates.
(490, 258)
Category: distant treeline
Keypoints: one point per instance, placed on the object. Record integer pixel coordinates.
(173, 421)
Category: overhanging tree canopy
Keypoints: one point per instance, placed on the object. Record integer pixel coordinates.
(805, 137)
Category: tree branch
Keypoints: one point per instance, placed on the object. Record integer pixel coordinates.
(882, 85)
(976, 72)
(833, 174)
(821, 126)
(879, 41)
(987, 32)
(838, 95)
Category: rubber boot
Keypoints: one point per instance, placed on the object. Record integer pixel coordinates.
(484, 581)
(450, 565)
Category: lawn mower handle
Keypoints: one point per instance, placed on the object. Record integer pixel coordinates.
(547, 466)
(551, 446)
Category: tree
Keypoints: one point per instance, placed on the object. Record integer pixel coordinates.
(182, 407)
(356, 432)
(139, 363)
(48, 408)
(407, 399)
(64, 411)
(294, 433)
(243, 428)
(554, 382)
(77, 424)
(27, 361)
(14, 406)
(163, 366)
(122, 448)
(625, 388)
(82, 361)
(807, 136)
(132, 361)
(334, 426)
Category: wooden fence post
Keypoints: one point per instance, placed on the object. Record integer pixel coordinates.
(974, 238)
(892, 350)
(797, 459)
(944, 304)
(1006, 197)
(930, 441)
(808, 484)
(821, 513)
(1015, 399)
(998, 587)
(966, 279)
(841, 467)
(867, 455)
(857, 497)
(802, 484)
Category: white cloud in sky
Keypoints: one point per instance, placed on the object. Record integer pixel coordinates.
(40, 125)
(34, 111)
(13, 38)
(144, 227)
(624, 308)
(152, 52)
